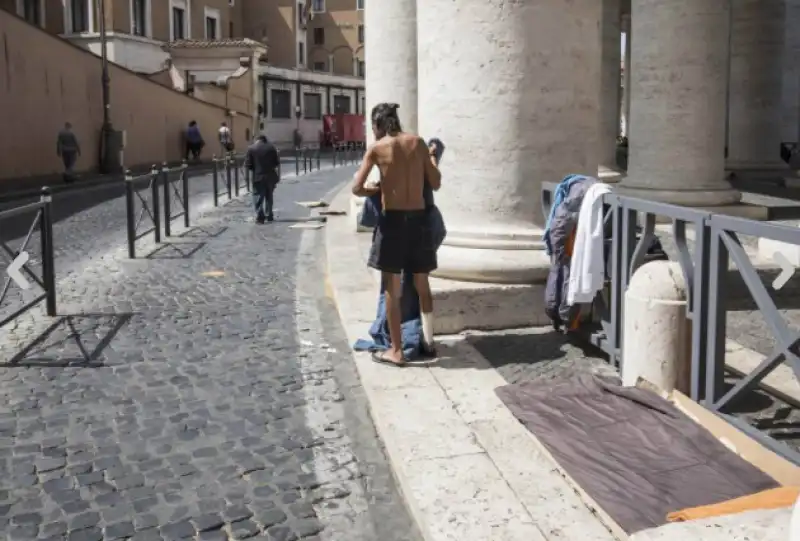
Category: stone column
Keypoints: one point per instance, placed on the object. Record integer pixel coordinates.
(678, 76)
(756, 80)
(626, 85)
(511, 90)
(390, 52)
(610, 83)
(790, 123)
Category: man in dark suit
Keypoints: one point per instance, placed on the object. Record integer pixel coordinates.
(263, 160)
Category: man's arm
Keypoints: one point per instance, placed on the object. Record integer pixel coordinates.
(362, 174)
(432, 175)
(274, 159)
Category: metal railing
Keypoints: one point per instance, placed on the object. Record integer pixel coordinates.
(175, 185)
(704, 262)
(20, 258)
(134, 186)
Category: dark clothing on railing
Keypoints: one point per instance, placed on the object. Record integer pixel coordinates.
(263, 160)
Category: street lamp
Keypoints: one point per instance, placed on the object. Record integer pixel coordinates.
(107, 153)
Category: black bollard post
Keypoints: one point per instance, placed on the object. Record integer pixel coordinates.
(165, 188)
(215, 180)
(48, 251)
(297, 161)
(156, 210)
(185, 190)
(130, 211)
(236, 175)
(319, 151)
(228, 175)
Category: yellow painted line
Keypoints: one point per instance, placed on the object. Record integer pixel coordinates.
(213, 274)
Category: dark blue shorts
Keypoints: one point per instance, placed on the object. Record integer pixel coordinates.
(403, 241)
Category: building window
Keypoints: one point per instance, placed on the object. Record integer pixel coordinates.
(319, 36)
(78, 16)
(230, 29)
(312, 106)
(178, 21)
(301, 54)
(319, 66)
(318, 6)
(280, 103)
(212, 24)
(361, 33)
(140, 11)
(361, 68)
(341, 104)
(32, 11)
(301, 14)
(360, 4)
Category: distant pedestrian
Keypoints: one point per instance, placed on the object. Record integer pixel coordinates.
(225, 138)
(194, 141)
(263, 160)
(68, 150)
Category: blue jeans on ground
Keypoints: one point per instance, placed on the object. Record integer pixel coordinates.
(262, 199)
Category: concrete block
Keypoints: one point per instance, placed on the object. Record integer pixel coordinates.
(657, 333)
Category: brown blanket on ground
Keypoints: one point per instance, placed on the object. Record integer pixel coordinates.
(635, 454)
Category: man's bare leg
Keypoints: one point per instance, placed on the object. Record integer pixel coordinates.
(423, 286)
(394, 318)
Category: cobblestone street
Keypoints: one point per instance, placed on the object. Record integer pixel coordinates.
(204, 392)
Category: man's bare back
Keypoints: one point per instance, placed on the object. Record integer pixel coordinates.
(405, 165)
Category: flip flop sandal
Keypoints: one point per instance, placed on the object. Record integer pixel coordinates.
(377, 356)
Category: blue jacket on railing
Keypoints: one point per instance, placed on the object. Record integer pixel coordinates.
(558, 197)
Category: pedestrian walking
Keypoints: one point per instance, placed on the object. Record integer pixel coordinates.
(263, 161)
(225, 138)
(68, 149)
(194, 141)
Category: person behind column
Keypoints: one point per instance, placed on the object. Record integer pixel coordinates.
(263, 160)
(403, 237)
(68, 149)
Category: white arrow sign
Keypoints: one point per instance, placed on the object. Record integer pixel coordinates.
(14, 273)
(787, 270)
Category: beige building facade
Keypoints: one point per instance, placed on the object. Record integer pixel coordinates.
(307, 56)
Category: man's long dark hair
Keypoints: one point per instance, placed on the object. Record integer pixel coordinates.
(385, 119)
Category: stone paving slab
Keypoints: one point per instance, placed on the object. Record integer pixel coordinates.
(170, 404)
(446, 436)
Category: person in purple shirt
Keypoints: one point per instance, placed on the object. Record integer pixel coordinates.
(194, 141)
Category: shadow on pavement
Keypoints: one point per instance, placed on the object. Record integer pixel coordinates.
(72, 340)
(198, 232)
(175, 250)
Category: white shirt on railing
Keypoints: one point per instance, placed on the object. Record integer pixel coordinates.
(587, 268)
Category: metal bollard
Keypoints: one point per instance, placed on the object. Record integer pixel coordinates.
(156, 207)
(247, 180)
(280, 164)
(236, 175)
(165, 187)
(185, 189)
(215, 180)
(130, 210)
(333, 149)
(297, 161)
(305, 161)
(319, 151)
(228, 175)
(48, 253)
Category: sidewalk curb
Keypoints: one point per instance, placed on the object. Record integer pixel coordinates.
(453, 447)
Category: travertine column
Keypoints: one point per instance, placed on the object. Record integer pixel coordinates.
(610, 83)
(756, 80)
(390, 54)
(790, 123)
(678, 75)
(511, 89)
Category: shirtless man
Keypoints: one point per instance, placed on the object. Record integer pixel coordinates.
(402, 240)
